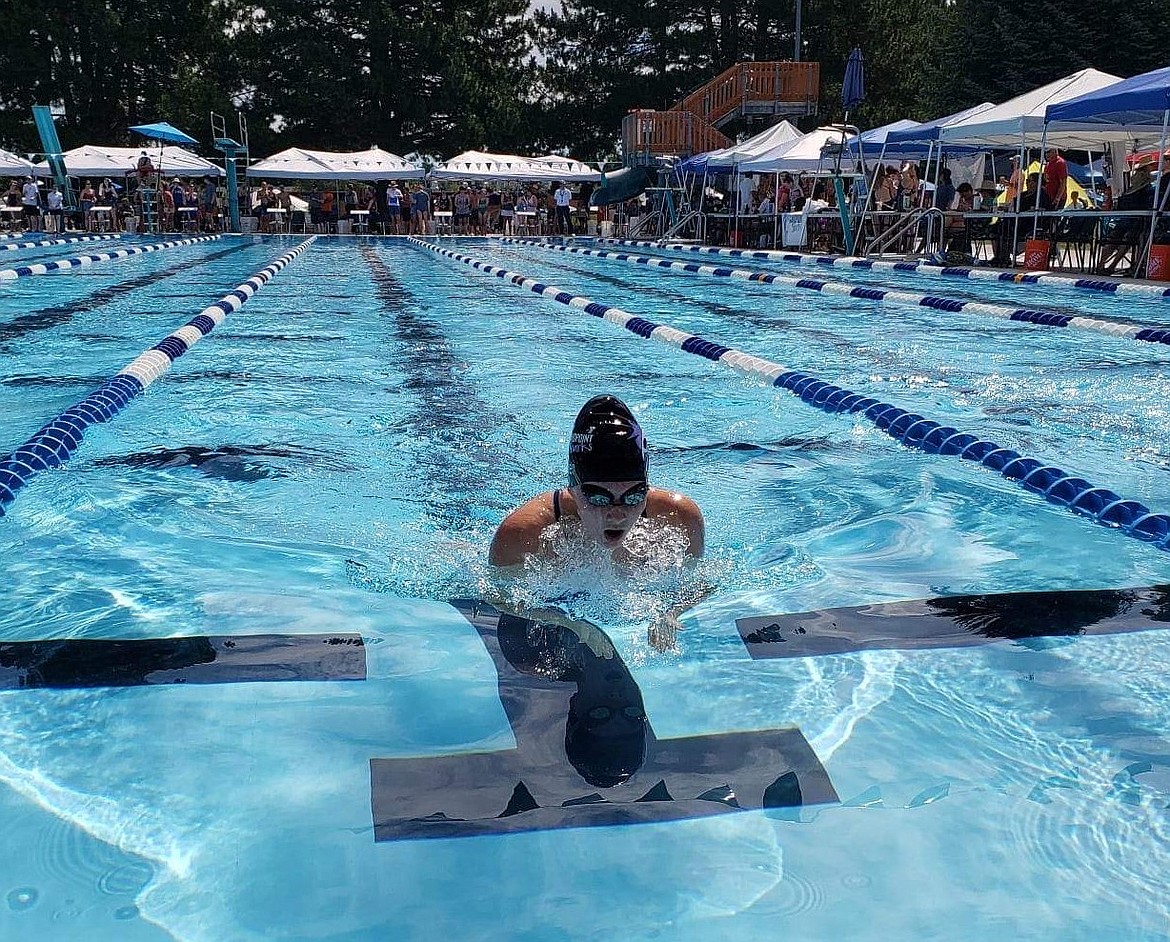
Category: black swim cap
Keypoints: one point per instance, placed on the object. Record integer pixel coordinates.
(607, 443)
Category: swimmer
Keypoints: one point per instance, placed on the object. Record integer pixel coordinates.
(608, 493)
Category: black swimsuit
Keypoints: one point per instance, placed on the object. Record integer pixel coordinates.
(556, 504)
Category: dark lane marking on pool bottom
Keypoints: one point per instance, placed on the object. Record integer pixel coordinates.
(585, 753)
(230, 659)
(50, 317)
(956, 621)
(240, 463)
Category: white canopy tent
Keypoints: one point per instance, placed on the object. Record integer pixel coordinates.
(372, 164)
(292, 164)
(13, 164)
(92, 160)
(296, 163)
(802, 154)
(1020, 121)
(569, 170)
(479, 165)
(727, 159)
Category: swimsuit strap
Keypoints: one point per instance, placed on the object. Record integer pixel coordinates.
(556, 501)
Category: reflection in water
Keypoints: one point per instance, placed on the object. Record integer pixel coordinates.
(956, 621)
(244, 463)
(87, 662)
(585, 754)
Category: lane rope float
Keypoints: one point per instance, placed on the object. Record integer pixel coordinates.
(16, 246)
(1083, 498)
(1127, 331)
(81, 261)
(950, 271)
(56, 441)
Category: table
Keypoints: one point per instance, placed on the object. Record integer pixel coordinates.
(13, 213)
(103, 218)
(276, 217)
(361, 220)
(188, 218)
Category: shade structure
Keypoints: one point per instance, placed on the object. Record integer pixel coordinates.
(1135, 108)
(916, 141)
(802, 154)
(372, 164)
(481, 165)
(92, 160)
(727, 159)
(292, 164)
(1021, 119)
(11, 163)
(297, 163)
(162, 131)
(875, 139)
(569, 170)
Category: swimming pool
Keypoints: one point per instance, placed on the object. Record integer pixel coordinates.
(324, 472)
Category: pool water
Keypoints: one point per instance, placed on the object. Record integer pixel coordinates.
(333, 459)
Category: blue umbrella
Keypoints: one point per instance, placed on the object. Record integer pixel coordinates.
(853, 87)
(162, 131)
(852, 94)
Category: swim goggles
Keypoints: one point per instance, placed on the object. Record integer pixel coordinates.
(600, 497)
(602, 714)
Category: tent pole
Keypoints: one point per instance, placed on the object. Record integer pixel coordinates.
(1160, 167)
(1040, 184)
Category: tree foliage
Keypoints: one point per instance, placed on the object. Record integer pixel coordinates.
(447, 75)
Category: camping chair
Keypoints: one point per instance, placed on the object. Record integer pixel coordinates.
(1118, 241)
(1073, 239)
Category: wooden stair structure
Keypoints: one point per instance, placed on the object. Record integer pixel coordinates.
(744, 90)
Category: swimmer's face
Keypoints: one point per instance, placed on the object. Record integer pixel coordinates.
(609, 509)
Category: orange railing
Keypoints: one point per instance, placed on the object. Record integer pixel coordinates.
(795, 83)
(668, 132)
(689, 126)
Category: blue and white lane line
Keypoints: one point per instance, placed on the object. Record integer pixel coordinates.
(56, 442)
(1059, 487)
(81, 261)
(952, 271)
(1128, 331)
(68, 240)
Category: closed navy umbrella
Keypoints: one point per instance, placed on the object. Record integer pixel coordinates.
(852, 94)
(853, 88)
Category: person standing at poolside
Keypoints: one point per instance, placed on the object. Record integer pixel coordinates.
(563, 198)
(609, 493)
(30, 201)
(393, 206)
(420, 209)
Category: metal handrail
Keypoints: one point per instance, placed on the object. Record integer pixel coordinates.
(678, 227)
(641, 222)
(900, 228)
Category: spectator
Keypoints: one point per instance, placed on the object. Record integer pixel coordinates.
(420, 210)
(30, 200)
(563, 198)
(55, 210)
(1055, 178)
(944, 193)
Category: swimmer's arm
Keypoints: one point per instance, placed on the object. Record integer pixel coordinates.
(663, 631)
(519, 534)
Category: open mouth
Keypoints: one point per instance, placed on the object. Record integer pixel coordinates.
(613, 533)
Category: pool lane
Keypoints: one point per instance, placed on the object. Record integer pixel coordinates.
(1080, 496)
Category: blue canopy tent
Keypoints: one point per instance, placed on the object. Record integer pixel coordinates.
(1135, 110)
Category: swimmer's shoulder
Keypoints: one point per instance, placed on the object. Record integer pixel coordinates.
(676, 508)
(519, 533)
